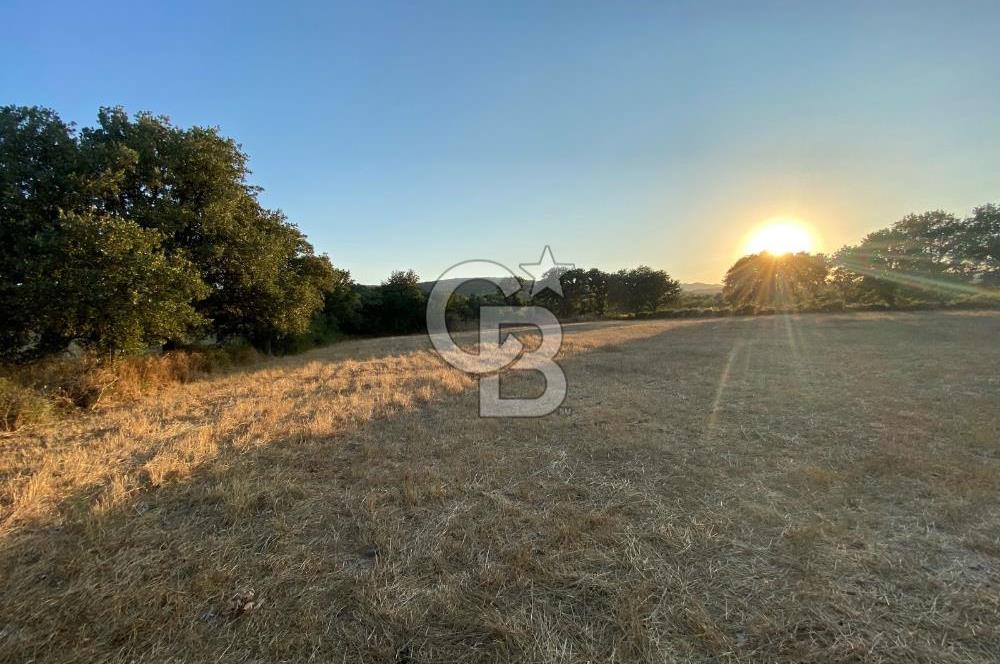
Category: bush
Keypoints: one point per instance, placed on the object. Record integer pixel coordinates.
(31, 393)
(75, 382)
(21, 406)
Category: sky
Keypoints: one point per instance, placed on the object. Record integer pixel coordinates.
(415, 135)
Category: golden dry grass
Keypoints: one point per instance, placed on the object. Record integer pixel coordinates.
(793, 489)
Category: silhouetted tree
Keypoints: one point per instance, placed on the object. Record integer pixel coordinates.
(596, 291)
(973, 246)
(776, 281)
(913, 258)
(404, 304)
(641, 289)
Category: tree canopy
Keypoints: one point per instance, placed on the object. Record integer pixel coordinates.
(136, 231)
(775, 280)
(932, 255)
(641, 289)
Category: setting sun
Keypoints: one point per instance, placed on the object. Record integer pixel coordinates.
(781, 236)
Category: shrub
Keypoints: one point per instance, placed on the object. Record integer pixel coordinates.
(134, 377)
(21, 406)
(75, 382)
(31, 393)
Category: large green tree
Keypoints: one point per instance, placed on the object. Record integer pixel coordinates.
(933, 255)
(106, 283)
(69, 269)
(190, 184)
(179, 197)
(37, 159)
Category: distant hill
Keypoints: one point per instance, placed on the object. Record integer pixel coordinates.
(700, 288)
(483, 287)
(472, 287)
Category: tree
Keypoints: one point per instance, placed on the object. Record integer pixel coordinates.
(845, 285)
(913, 258)
(596, 288)
(641, 289)
(178, 198)
(784, 280)
(974, 246)
(564, 305)
(190, 184)
(341, 303)
(106, 283)
(584, 292)
(38, 160)
(404, 305)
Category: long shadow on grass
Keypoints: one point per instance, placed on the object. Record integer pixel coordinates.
(434, 535)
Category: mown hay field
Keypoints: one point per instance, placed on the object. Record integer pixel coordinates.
(783, 489)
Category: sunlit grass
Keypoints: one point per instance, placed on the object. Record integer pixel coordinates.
(781, 489)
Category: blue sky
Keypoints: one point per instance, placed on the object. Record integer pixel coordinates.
(419, 134)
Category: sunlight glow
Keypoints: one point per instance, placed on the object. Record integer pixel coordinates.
(781, 236)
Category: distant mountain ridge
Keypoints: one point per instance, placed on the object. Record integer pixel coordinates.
(484, 287)
(700, 288)
(470, 287)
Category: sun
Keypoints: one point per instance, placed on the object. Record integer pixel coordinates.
(783, 235)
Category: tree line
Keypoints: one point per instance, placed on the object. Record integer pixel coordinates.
(136, 233)
(930, 258)
(398, 304)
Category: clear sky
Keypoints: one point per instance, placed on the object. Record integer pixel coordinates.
(419, 134)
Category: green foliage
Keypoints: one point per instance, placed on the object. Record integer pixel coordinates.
(105, 283)
(341, 311)
(21, 406)
(973, 246)
(585, 292)
(37, 159)
(641, 289)
(929, 257)
(783, 281)
(397, 306)
(190, 184)
(136, 231)
(404, 304)
(908, 260)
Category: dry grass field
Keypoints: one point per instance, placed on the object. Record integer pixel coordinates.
(781, 489)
